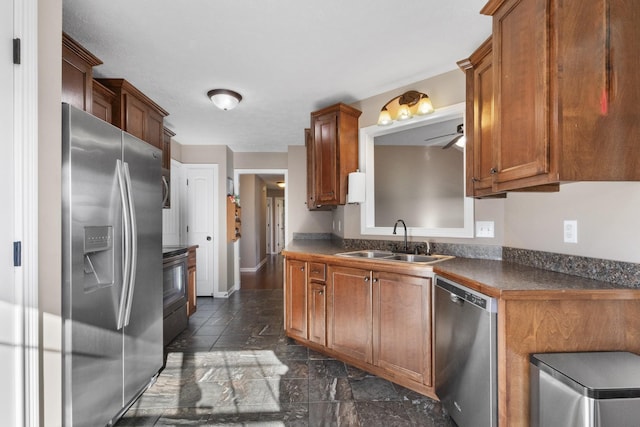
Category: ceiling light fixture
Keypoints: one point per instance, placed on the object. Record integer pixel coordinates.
(224, 99)
(280, 184)
(405, 106)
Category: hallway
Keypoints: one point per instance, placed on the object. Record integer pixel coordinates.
(234, 366)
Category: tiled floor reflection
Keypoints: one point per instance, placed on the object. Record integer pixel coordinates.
(234, 367)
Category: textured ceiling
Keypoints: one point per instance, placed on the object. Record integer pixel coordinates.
(286, 57)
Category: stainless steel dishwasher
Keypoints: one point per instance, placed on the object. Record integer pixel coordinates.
(465, 353)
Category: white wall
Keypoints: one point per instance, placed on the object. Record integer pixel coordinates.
(252, 243)
(301, 220)
(607, 213)
(50, 207)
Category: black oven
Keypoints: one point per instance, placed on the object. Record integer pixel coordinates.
(174, 291)
(174, 278)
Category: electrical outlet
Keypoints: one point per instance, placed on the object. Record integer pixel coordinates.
(570, 231)
(485, 229)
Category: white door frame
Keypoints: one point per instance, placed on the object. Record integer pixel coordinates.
(236, 185)
(269, 226)
(280, 236)
(25, 124)
(216, 220)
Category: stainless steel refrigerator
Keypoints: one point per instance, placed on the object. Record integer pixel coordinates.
(112, 268)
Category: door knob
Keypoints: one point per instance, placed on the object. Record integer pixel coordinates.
(208, 238)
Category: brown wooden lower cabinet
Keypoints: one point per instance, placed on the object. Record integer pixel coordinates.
(296, 298)
(402, 325)
(317, 314)
(377, 321)
(350, 312)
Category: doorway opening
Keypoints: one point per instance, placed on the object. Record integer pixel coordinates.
(264, 218)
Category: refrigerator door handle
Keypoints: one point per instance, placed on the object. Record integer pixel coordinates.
(127, 244)
(133, 245)
(166, 190)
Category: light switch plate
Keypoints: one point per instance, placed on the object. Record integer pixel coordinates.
(570, 231)
(485, 229)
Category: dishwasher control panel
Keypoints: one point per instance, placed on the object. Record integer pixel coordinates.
(476, 298)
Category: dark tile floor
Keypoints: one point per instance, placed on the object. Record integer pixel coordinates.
(234, 366)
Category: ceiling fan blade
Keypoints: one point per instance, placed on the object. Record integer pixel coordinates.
(453, 141)
(441, 136)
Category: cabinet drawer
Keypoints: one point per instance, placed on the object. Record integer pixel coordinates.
(317, 271)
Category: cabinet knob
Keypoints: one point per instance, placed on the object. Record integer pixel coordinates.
(320, 292)
(375, 280)
(493, 171)
(474, 179)
(301, 268)
(366, 279)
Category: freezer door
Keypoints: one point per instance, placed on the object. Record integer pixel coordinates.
(143, 333)
(91, 268)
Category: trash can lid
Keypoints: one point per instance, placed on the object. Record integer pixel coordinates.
(599, 375)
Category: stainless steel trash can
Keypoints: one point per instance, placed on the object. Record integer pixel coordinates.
(599, 389)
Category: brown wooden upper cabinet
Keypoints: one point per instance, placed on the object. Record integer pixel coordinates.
(77, 74)
(103, 99)
(334, 136)
(311, 173)
(478, 69)
(166, 167)
(136, 113)
(566, 89)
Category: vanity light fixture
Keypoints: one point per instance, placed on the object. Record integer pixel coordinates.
(224, 99)
(405, 106)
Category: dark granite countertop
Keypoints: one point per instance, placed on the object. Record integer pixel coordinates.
(173, 250)
(508, 280)
(499, 279)
(311, 246)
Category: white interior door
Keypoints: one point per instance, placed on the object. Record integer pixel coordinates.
(201, 214)
(279, 224)
(269, 219)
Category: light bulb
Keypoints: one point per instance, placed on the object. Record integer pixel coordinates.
(404, 112)
(424, 106)
(385, 118)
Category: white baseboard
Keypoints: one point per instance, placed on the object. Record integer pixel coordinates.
(254, 269)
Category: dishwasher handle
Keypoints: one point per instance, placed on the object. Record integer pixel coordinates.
(459, 294)
(456, 299)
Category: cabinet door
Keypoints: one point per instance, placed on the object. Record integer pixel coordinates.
(317, 313)
(296, 298)
(326, 159)
(102, 102)
(77, 74)
(402, 332)
(479, 134)
(154, 130)
(135, 114)
(350, 312)
(599, 89)
(521, 78)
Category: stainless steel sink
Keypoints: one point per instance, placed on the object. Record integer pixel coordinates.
(367, 254)
(391, 256)
(413, 258)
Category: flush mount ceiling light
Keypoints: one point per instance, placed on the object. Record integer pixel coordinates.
(224, 99)
(280, 184)
(404, 107)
